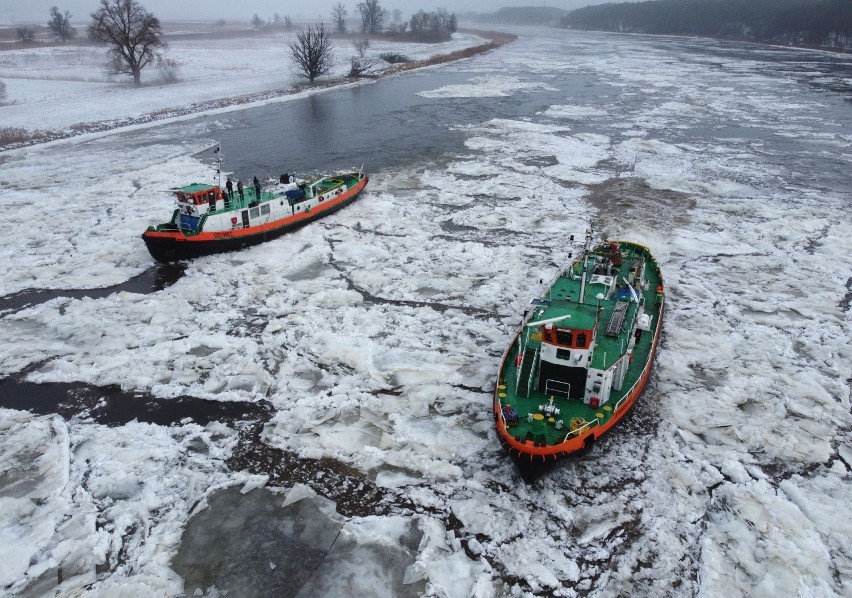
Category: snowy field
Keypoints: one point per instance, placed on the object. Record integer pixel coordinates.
(375, 350)
(69, 87)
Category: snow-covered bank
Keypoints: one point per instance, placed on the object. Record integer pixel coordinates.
(70, 91)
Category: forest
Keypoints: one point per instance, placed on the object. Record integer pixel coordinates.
(814, 23)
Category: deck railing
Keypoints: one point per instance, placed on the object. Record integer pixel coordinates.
(584, 428)
(647, 365)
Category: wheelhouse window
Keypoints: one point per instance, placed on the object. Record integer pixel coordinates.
(581, 340)
(563, 354)
(564, 337)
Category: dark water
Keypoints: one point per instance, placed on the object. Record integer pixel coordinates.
(381, 125)
(152, 280)
(112, 406)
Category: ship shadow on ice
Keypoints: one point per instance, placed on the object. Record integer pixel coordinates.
(152, 280)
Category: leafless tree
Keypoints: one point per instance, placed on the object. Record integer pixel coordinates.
(362, 65)
(288, 22)
(2, 92)
(60, 24)
(133, 34)
(169, 70)
(338, 15)
(361, 46)
(312, 51)
(397, 25)
(257, 22)
(432, 26)
(372, 16)
(25, 34)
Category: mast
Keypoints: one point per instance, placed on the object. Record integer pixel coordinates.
(218, 164)
(586, 250)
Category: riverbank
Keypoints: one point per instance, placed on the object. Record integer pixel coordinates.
(68, 100)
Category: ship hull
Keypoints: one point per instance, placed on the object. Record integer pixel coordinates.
(534, 461)
(534, 457)
(174, 245)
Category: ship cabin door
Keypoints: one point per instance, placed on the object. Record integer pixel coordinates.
(556, 378)
(562, 351)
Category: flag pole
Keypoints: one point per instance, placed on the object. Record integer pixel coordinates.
(218, 164)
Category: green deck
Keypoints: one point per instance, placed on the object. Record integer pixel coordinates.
(561, 300)
(251, 199)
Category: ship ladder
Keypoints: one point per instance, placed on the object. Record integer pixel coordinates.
(526, 371)
(617, 319)
(533, 371)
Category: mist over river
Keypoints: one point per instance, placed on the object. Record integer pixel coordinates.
(354, 359)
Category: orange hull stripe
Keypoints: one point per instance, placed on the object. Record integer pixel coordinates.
(576, 443)
(253, 230)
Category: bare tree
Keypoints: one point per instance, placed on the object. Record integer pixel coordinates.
(60, 24)
(362, 65)
(169, 70)
(312, 51)
(432, 26)
(288, 22)
(397, 25)
(257, 22)
(133, 34)
(361, 46)
(372, 16)
(25, 34)
(338, 15)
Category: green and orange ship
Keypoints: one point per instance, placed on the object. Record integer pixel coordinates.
(582, 355)
(208, 219)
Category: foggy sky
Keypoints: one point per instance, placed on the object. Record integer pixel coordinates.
(38, 11)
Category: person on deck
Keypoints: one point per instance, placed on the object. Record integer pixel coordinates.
(240, 188)
(614, 256)
(256, 189)
(229, 185)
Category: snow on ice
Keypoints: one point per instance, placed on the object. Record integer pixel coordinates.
(377, 348)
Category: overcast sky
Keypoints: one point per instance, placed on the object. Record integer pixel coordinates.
(38, 11)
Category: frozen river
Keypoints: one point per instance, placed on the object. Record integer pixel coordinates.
(312, 416)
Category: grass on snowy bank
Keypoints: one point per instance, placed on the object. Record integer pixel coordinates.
(12, 136)
(16, 137)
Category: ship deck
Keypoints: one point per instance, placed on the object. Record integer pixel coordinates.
(517, 389)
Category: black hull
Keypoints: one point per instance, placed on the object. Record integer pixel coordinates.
(167, 249)
(531, 467)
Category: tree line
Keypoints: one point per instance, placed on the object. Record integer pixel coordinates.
(826, 23)
(312, 50)
(134, 37)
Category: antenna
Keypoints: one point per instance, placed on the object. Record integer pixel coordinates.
(586, 249)
(218, 164)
